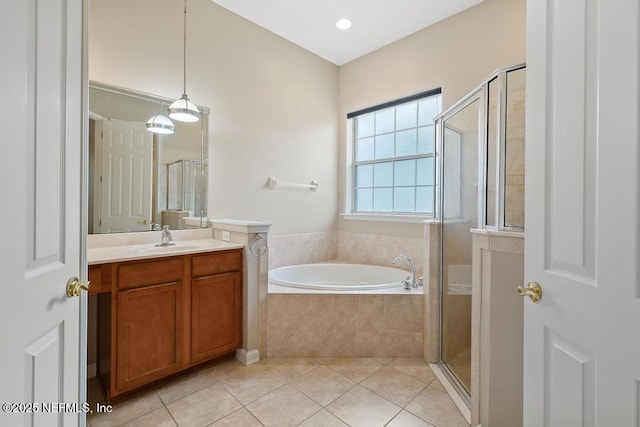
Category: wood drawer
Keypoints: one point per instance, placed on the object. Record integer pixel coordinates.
(216, 263)
(100, 278)
(144, 273)
(95, 277)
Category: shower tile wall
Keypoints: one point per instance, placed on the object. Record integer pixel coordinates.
(168, 156)
(514, 191)
(514, 150)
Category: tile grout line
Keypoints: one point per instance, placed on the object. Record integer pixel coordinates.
(168, 411)
(291, 379)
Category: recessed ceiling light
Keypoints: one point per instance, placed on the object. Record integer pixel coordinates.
(343, 24)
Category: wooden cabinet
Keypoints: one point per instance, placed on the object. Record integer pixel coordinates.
(100, 279)
(148, 334)
(166, 315)
(215, 324)
(216, 301)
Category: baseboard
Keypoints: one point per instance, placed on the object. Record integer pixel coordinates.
(247, 357)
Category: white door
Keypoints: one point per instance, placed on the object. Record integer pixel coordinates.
(41, 81)
(582, 349)
(127, 149)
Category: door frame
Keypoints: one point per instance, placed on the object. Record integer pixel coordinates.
(94, 161)
(84, 213)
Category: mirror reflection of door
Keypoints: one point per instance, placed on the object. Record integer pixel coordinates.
(139, 180)
(125, 151)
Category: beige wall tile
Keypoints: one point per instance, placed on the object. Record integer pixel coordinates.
(370, 313)
(300, 325)
(369, 344)
(294, 249)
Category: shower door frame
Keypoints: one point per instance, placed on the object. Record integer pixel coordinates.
(481, 94)
(500, 76)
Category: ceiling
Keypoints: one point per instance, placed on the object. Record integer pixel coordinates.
(376, 23)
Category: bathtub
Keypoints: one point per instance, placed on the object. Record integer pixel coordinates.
(338, 278)
(343, 310)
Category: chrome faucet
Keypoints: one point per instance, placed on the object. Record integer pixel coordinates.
(413, 282)
(167, 237)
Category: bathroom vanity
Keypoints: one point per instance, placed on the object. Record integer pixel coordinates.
(161, 311)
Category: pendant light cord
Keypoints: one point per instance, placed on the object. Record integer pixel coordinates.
(184, 52)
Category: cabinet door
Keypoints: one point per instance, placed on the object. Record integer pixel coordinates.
(216, 315)
(148, 334)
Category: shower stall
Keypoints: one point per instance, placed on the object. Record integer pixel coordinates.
(184, 185)
(184, 191)
(480, 185)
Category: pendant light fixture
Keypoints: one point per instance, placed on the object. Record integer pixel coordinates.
(160, 124)
(182, 109)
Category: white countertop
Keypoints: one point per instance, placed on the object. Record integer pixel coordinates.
(107, 254)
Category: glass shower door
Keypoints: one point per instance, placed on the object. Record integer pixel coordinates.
(461, 142)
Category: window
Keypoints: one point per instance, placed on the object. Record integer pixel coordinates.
(394, 156)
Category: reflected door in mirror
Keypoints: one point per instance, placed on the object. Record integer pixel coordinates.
(125, 199)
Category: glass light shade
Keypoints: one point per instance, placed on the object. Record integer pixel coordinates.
(343, 24)
(184, 110)
(160, 124)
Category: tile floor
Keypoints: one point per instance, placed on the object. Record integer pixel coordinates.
(292, 392)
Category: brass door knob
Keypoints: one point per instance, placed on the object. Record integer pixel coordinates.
(74, 286)
(533, 291)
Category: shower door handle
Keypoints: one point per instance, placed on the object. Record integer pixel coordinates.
(533, 291)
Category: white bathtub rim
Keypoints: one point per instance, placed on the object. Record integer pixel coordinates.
(390, 278)
(274, 289)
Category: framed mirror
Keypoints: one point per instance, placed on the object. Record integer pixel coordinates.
(139, 180)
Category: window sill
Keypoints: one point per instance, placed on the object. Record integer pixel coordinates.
(387, 217)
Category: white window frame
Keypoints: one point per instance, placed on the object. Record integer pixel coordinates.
(350, 212)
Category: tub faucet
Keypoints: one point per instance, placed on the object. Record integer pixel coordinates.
(413, 283)
(167, 237)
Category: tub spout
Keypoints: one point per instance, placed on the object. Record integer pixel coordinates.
(413, 282)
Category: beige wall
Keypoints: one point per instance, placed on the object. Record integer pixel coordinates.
(277, 109)
(273, 104)
(455, 54)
